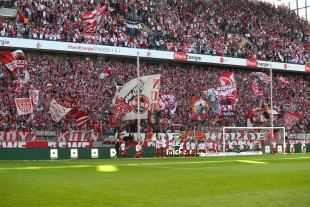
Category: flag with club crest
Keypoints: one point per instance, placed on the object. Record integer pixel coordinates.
(23, 106)
(128, 102)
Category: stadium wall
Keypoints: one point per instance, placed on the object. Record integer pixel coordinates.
(86, 153)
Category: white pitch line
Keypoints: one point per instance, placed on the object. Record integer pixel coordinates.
(47, 167)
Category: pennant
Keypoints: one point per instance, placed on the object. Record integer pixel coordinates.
(23, 106)
(57, 111)
(226, 79)
(81, 118)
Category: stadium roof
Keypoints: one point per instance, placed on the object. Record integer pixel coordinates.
(302, 6)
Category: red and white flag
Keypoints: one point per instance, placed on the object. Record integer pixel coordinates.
(290, 118)
(57, 111)
(81, 118)
(23, 106)
(121, 108)
(227, 79)
(20, 59)
(9, 61)
(169, 101)
(255, 89)
(106, 73)
(95, 15)
(139, 94)
(285, 82)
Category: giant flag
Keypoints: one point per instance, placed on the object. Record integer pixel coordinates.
(148, 89)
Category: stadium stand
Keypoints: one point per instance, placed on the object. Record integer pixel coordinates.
(231, 28)
(58, 77)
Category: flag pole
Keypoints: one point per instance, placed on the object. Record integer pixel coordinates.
(271, 102)
(138, 80)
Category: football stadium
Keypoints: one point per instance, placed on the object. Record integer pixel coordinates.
(154, 103)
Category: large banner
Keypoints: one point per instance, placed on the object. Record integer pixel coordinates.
(24, 106)
(212, 96)
(134, 25)
(127, 99)
(57, 111)
(227, 98)
(92, 139)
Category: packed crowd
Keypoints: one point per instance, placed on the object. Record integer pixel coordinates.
(233, 28)
(57, 77)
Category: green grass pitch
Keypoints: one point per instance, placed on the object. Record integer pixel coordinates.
(266, 181)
